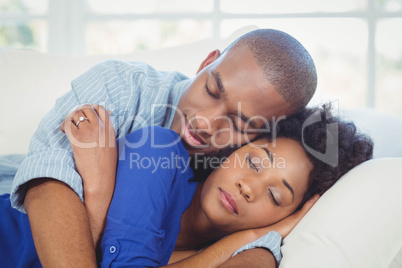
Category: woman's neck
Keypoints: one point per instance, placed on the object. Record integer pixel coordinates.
(196, 230)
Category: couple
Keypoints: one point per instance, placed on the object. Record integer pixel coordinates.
(157, 211)
(268, 72)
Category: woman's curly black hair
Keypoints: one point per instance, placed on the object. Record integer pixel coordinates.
(319, 132)
(334, 146)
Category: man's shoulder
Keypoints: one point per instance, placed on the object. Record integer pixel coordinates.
(130, 67)
(126, 66)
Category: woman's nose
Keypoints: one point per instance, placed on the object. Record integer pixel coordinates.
(246, 190)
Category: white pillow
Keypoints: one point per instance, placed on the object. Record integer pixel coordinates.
(357, 223)
(384, 128)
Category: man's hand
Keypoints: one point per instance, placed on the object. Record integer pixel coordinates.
(94, 146)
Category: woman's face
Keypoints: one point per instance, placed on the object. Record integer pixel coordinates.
(258, 185)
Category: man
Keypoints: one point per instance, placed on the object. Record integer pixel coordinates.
(262, 76)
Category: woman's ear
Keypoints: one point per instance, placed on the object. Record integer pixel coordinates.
(212, 56)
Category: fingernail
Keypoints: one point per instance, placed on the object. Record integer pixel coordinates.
(314, 198)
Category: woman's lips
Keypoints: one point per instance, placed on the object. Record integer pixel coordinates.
(228, 201)
(190, 138)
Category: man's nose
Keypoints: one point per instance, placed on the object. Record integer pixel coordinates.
(209, 121)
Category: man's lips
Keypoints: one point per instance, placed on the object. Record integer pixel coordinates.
(228, 201)
(190, 138)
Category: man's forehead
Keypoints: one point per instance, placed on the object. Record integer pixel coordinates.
(257, 102)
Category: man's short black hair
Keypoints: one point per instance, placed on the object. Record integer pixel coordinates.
(287, 65)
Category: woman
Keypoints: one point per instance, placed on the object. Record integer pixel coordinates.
(230, 199)
(152, 213)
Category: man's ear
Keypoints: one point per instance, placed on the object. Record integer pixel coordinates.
(212, 56)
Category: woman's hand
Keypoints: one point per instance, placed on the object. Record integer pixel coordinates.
(221, 251)
(285, 226)
(93, 141)
(94, 145)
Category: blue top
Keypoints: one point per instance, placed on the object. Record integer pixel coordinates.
(153, 189)
(17, 249)
(137, 95)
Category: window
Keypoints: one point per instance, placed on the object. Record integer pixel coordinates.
(355, 43)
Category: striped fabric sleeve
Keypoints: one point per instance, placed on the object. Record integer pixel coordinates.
(8, 167)
(130, 90)
(271, 241)
(50, 154)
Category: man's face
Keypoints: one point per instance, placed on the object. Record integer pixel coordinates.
(227, 103)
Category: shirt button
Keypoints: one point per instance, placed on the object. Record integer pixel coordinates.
(112, 249)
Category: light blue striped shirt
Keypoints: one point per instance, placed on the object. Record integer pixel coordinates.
(135, 93)
(271, 241)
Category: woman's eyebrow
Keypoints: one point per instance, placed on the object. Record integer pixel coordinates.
(268, 154)
(289, 187)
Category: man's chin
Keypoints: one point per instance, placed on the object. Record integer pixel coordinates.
(201, 150)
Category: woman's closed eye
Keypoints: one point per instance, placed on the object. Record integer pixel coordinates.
(273, 198)
(251, 163)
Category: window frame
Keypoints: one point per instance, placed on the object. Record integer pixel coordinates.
(67, 35)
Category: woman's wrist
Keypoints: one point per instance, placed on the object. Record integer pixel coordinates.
(97, 201)
(99, 185)
(258, 232)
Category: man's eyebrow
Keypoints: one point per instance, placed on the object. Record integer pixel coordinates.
(289, 187)
(221, 89)
(247, 120)
(218, 81)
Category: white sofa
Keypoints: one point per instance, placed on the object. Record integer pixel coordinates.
(357, 223)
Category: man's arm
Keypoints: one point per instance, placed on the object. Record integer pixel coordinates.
(256, 258)
(59, 224)
(220, 253)
(47, 185)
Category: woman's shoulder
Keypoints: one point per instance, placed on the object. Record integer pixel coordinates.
(153, 138)
(153, 133)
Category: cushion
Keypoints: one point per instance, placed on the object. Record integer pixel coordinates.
(356, 223)
(383, 128)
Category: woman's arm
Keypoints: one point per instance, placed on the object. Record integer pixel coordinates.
(220, 253)
(257, 257)
(95, 153)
